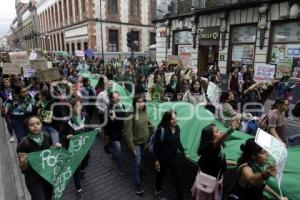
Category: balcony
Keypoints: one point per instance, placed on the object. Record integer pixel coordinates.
(182, 7)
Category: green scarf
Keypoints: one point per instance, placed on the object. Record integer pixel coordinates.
(37, 138)
(76, 120)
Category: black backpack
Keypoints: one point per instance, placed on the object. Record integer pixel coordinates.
(296, 109)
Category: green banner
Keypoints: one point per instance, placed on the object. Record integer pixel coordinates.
(193, 118)
(57, 165)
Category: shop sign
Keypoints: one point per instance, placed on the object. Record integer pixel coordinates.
(210, 33)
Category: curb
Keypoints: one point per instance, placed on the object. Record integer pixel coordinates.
(16, 175)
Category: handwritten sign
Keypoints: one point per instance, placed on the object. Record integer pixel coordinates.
(57, 165)
(33, 55)
(48, 74)
(79, 53)
(276, 149)
(213, 93)
(264, 72)
(38, 64)
(19, 57)
(11, 68)
(28, 72)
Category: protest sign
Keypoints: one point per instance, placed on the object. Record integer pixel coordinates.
(57, 165)
(174, 60)
(48, 74)
(184, 51)
(11, 68)
(33, 55)
(276, 149)
(284, 67)
(264, 72)
(19, 57)
(79, 53)
(38, 64)
(213, 93)
(49, 64)
(28, 72)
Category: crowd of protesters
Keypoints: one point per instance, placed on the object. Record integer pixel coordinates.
(31, 119)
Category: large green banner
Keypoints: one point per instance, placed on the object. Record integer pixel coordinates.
(193, 118)
(57, 165)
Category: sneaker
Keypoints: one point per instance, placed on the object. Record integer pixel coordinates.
(159, 194)
(138, 190)
(11, 139)
(79, 194)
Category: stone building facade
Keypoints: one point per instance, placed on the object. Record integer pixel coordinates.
(76, 24)
(231, 33)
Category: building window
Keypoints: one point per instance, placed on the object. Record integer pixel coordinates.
(85, 44)
(152, 38)
(112, 7)
(113, 40)
(73, 47)
(285, 53)
(76, 8)
(78, 46)
(83, 6)
(62, 41)
(134, 7)
(135, 36)
(243, 40)
(71, 9)
(68, 48)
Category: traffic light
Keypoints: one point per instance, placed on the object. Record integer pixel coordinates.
(129, 39)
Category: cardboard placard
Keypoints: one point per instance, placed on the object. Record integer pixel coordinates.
(28, 72)
(19, 57)
(38, 64)
(32, 55)
(11, 68)
(174, 60)
(264, 72)
(48, 74)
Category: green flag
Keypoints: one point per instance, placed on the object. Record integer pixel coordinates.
(57, 165)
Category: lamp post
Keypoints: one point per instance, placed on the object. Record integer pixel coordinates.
(101, 29)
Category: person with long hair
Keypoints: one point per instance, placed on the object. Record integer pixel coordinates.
(137, 135)
(6, 94)
(274, 121)
(212, 160)
(172, 88)
(227, 113)
(157, 90)
(36, 140)
(195, 94)
(165, 152)
(253, 173)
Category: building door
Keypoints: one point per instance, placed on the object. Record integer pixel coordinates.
(207, 55)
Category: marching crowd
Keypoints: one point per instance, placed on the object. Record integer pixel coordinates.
(41, 114)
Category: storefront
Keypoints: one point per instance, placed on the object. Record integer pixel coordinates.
(285, 49)
(208, 52)
(242, 46)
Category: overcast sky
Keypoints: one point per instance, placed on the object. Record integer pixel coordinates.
(7, 14)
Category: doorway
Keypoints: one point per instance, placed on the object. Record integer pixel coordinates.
(207, 55)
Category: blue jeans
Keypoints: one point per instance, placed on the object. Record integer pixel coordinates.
(53, 133)
(19, 126)
(116, 152)
(137, 163)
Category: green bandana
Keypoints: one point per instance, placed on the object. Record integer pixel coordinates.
(37, 138)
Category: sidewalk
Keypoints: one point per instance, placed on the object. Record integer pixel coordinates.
(12, 185)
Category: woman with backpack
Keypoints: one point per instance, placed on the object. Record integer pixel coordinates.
(165, 152)
(212, 162)
(252, 174)
(36, 140)
(137, 135)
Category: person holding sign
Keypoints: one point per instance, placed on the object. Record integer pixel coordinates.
(252, 174)
(274, 121)
(37, 140)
